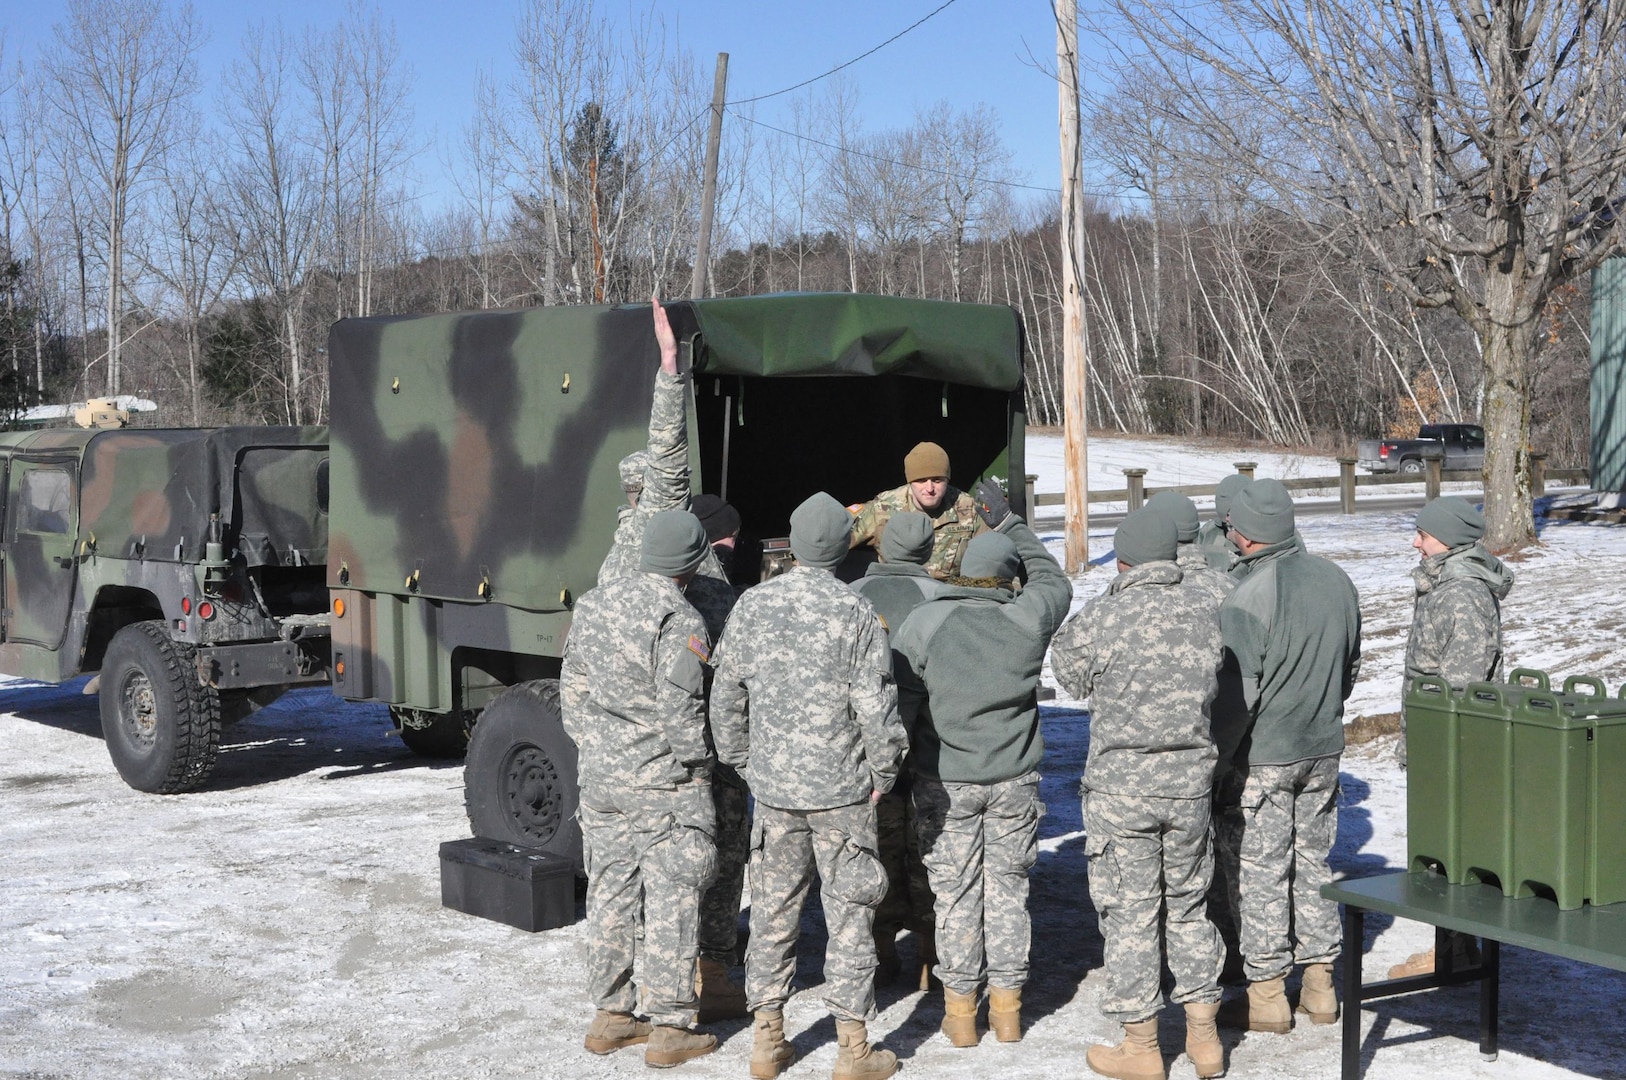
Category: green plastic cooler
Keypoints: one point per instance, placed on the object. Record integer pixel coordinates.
(1484, 791)
(1605, 718)
(1431, 773)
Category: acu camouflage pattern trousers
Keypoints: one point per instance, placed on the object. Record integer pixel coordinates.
(1276, 828)
(650, 852)
(1151, 862)
(720, 906)
(978, 842)
(786, 847)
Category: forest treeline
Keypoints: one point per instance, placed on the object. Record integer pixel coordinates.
(192, 243)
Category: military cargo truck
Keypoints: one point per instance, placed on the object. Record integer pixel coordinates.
(185, 566)
(475, 487)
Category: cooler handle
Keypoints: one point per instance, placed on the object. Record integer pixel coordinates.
(1517, 676)
(1486, 691)
(1596, 687)
(1433, 684)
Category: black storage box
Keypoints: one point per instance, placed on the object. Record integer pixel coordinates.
(519, 886)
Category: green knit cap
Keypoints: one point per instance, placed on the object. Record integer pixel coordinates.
(1178, 509)
(1451, 520)
(1263, 512)
(1226, 491)
(820, 532)
(674, 544)
(1146, 536)
(907, 538)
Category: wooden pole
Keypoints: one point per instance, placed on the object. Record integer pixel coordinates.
(1346, 485)
(708, 188)
(1075, 453)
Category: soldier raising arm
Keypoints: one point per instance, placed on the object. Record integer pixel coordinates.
(632, 690)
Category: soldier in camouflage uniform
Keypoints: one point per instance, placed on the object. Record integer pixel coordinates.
(968, 679)
(1189, 557)
(1213, 539)
(632, 697)
(1456, 631)
(952, 512)
(657, 480)
(804, 706)
(1146, 653)
(1292, 630)
(896, 585)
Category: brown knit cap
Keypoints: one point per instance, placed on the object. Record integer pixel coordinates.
(925, 462)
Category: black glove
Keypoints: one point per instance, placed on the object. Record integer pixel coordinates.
(992, 505)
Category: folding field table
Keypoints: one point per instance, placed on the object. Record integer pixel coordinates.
(1593, 935)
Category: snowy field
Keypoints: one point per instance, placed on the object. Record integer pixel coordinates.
(286, 921)
(1171, 463)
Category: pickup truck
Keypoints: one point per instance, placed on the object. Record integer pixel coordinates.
(1463, 444)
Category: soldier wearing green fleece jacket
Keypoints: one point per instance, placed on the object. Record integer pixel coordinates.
(1292, 632)
(968, 677)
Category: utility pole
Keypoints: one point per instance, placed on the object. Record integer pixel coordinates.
(1075, 453)
(708, 189)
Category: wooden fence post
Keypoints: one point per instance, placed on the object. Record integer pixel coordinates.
(1032, 503)
(1538, 474)
(1433, 462)
(1245, 467)
(1346, 484)
(1136, 479)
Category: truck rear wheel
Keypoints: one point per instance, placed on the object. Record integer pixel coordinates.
(161, 724)
(432, 735)
(1411, 466)
(519, 783)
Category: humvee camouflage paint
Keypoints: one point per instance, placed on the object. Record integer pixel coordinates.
(157, 555)
(475, 483)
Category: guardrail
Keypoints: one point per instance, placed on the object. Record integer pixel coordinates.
(1136, 492)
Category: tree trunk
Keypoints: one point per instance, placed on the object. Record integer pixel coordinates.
(1508, 338)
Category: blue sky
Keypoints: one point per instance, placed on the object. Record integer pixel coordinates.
(973, 51)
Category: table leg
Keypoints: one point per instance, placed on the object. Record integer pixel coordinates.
(1489, 995)
(1354, 942)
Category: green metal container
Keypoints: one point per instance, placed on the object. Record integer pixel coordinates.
(1550, 771)
(1432, 773)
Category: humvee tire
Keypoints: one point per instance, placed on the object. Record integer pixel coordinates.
(162, 725)
(519, 783)
(432, 735)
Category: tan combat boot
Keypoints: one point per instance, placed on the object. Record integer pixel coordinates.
(1418, 963)
(670, 1046)
(1136, 1058)
(960, 1018)
(610, 1031)
(717, 996)
(1316, 997)
(1202, 1040)
(1267, 1006)
(856, 1059)
(770, 1053)
(1005, 1013)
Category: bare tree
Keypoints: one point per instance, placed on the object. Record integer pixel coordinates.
(121, 68)
(277, 198)
(1475, 154)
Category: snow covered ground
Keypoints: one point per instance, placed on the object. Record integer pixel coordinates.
(286, 921)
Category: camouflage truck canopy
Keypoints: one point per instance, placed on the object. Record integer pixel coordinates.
(475, 455)
(149, 492)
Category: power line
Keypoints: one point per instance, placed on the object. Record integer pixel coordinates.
(848, 64)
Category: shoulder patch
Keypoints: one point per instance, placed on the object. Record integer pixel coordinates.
(697, 645)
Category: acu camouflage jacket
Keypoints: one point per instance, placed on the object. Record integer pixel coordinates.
(803, 702)
(632, 688)
(1456, 630)
(1146, 653)
(952, 527)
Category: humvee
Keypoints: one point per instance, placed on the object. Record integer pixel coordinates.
(474, 486)
(185, 566)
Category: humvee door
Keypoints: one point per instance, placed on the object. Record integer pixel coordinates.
(40, 525)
